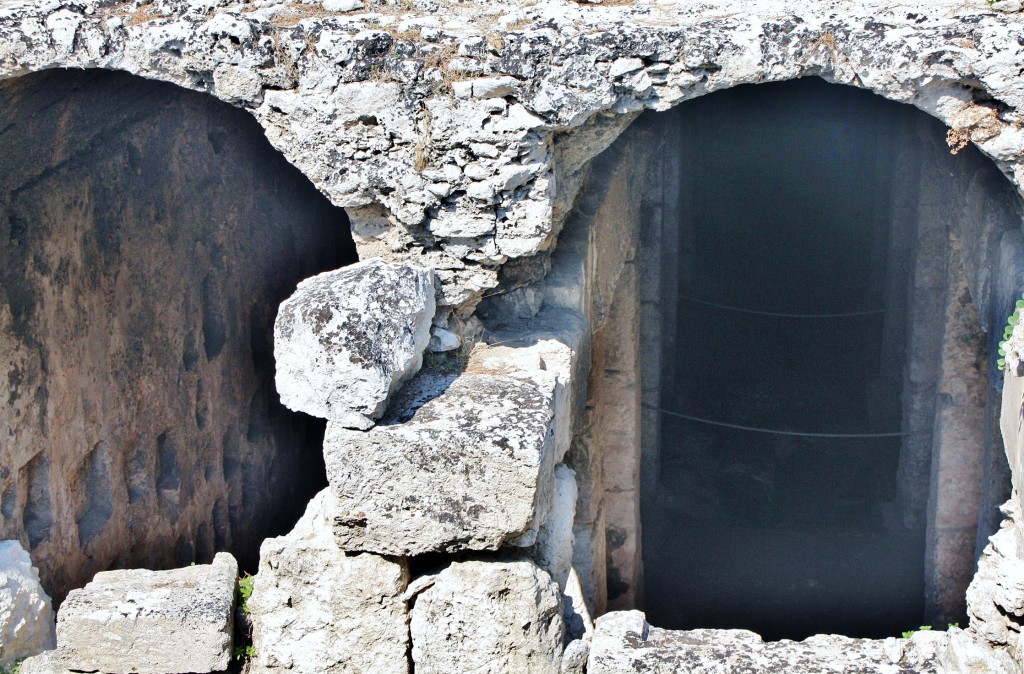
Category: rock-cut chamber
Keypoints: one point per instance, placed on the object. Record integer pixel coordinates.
(147, 236)
(818, 284)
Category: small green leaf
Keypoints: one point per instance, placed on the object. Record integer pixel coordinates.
(1002, 352)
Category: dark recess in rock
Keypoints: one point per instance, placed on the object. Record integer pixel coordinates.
(149, 234)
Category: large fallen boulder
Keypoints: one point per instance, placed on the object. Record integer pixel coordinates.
(26, 617)
(488, 617)
(151, 622)
(315, 608)
(347, 339)
(458, 463)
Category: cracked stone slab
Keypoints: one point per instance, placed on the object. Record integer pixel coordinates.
(488, 617)
(151, 622)
(462, 461)
(317, 609)
(346, 339)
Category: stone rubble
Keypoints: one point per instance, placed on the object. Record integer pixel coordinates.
(317, 609)
(347, 339)
(624, 642)
(151, 622)
(459, 463)
(26, 616)
(457, 139)
(488, 617)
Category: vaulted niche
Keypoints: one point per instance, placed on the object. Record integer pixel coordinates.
(820, 412)
(792, 373)
(147, 236)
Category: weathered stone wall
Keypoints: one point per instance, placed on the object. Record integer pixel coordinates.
(148, 234)
(458, 137)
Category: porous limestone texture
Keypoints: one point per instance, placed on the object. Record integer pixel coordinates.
(488, 617)
(26, 616)
(347, 339)
(151, 622)
(624, 642)
(456, 133)
(555, 539)
(995, 597)
(315, 608)
(460, 462)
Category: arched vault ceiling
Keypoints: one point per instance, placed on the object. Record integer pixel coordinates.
(457, 133)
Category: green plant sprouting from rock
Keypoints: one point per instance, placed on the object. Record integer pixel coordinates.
(244, 592)
(1008, 332)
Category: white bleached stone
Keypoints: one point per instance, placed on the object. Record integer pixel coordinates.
(317, 609)
(624, 642)
(151, 622)
(488, 617)
(26, 617)
(342, 5)
(347, 339)
(554, 541)
(469, 466)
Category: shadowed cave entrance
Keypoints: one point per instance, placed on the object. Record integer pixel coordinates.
(818, 446)
(147, 235)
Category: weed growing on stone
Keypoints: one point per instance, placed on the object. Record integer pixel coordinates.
(244, 592)
(244, 653)
(922, 628)
(1008, 331)
(14, 669)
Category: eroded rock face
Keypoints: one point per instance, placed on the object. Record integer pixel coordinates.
(346, 339)
(624, 642)
(151, 622)
(488, 617)
(149, 234)
(995, 597)
(26, 616)
(459, 463)
(317, 609)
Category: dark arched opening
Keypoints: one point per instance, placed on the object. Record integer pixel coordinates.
(821, 410)
(147, 235)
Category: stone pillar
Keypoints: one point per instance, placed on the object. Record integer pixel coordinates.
(957, 453)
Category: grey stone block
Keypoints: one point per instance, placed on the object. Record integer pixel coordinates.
(151, 622)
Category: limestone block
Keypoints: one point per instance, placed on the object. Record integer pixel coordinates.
(488, 617)
(469, 466)
(26, 617)
(965, 654)
(316, 609)
(995, 596)
(554, 542)
(151, 622)
(347, 339)
(624, 642)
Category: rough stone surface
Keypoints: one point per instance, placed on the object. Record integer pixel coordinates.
(26, 617)
(346, 339)
(995, 597)
(624, 642)
(554, 541)
(151, 622)
(965, 653)
(488, 617)
(149, 234)
(459, 462)
(317, 609)
(364, 102)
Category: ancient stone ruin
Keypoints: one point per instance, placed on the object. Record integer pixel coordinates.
(509, 336)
